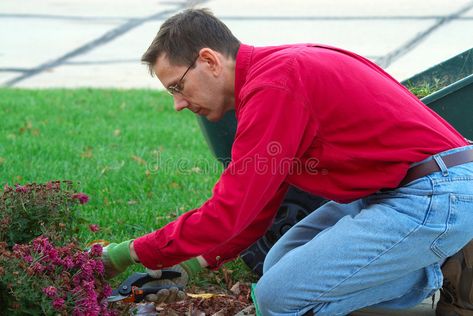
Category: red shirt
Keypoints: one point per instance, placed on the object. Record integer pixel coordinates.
(322, 119)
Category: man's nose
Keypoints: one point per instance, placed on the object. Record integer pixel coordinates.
(180, 103)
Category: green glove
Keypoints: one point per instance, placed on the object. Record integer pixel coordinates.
(187, 269)
(116, 258)
(192, 267)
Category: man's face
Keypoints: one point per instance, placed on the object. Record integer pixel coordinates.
(198, 87)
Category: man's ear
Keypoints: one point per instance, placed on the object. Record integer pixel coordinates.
(212, 60)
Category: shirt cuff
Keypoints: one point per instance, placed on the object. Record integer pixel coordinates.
(150, 257)
(215, 261)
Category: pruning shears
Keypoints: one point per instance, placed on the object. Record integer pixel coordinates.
(134, 288)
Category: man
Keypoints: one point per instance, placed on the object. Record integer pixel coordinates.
(334, 124)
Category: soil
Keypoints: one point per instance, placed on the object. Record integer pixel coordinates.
(221, 303)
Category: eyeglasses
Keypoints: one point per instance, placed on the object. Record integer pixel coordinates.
(178, 86)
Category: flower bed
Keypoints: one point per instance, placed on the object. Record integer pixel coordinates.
(46, 279)
(43, 268)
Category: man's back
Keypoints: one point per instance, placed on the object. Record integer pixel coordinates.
(365, 129)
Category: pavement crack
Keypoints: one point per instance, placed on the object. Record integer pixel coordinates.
(64, 17)
(12, 69)
(101, 40)
(388, 59)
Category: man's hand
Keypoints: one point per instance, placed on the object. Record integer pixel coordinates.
(187, 269)
(116, 258)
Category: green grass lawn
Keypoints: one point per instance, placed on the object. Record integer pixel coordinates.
(141, 163)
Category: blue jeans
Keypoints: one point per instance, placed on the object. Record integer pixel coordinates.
(382, 251)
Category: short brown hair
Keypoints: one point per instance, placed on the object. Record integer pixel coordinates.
(183, 35)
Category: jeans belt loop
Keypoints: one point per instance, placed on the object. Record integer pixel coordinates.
(438, 159)
(438, 163)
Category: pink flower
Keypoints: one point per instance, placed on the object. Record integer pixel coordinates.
(58, 303)
(89, 287)
(50, 291)
(94, 228)
(80, 258)
(107, 290)
(42, 244)
(53, 185)
(82, 197)
(68, 263)
(21, 188)
(76, 280)
(99, 268)
(38, 268)
(96, 250)
(87, 270)
(53, 254)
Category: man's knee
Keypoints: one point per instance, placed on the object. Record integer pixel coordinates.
(267, 264)
(272, 297)
(269, 295)
(272, 257)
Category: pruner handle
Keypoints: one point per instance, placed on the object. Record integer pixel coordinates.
(138, 279)
(139, 294)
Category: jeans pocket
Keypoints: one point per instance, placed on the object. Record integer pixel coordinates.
(458, 228)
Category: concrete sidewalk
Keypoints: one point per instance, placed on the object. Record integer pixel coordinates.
(98, 43)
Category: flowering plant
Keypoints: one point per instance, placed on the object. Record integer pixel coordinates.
(43, 268)
(27, 211)
(44, 279)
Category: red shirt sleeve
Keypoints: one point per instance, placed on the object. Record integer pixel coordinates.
(231, 249)
(262, 153)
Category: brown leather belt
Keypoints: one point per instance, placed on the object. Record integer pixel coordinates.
(428, 167)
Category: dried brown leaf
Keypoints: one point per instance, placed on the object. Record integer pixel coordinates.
(87, 153)
(235, 289)
(139, 160)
